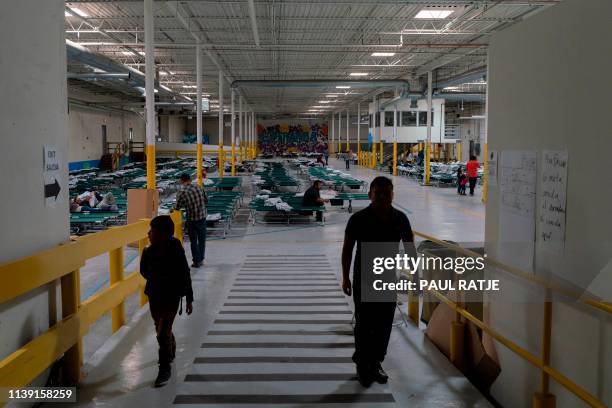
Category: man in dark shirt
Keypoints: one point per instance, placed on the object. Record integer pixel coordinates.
(194, 200)
(312, 198)
(164, 266)
(377, 228)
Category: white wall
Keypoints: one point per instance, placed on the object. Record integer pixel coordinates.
(32, 114)
(549, 88)
(412, 134)
(85, 131)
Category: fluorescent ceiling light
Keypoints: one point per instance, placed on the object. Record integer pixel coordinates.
(383, 54)
(131, 53)
(358, 74)
(163, 73)
(323, 106)
(76, 11)
(343, 87)
(326, 101)
(433, 14)
(190, 86)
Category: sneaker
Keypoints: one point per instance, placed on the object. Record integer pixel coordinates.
(163, 376)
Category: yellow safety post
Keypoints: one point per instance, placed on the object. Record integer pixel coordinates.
(359, 153)
(151, 167)
(116, 276)
(413, 309)
(448, 150)
(459, 150)
(71, 299)
(374, 155)
(427, 162)
(177, 218)
(142, 244)
(484, 176)
(457, 336)
(544, 399)
(395, 158)
(199, 163)
(381, 152)
(233, 159)
(221, 160)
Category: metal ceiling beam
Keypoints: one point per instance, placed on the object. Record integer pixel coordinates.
(253, 18)
(357, 2)
(293, 46)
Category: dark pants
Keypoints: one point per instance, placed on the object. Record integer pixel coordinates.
(163, 313)
(373, 324)
(472, 184)
(197, 239)
(348, 164)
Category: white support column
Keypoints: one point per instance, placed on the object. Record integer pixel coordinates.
(333, 134)
(428, 143)
(254, 134)
(340, 131)
(150, 93)
(348, 125)
(395, 139)
(359, 133)
(233, 113)
(221, 164)
(198, 57)
(240, 130)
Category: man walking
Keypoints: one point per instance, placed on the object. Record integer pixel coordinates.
(377, 229)
(193, 199)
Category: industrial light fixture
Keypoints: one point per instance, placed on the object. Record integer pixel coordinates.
(73, 11)
(190, 86)
(358, 74)
(343, 87)
(326, 101)
(163, 73)
(131, 53)
(434, 14)
(383, 54)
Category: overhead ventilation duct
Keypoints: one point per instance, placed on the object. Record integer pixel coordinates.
(403, 85)
(112, 69)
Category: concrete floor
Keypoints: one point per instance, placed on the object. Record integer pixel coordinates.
(219, 353)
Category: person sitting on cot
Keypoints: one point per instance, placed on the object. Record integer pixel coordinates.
(312, 198)
(164, 266)
(108, 203)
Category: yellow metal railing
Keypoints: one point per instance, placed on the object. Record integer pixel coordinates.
(543, 398)
(63, 262)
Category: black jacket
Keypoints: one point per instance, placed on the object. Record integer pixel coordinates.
(166, 271)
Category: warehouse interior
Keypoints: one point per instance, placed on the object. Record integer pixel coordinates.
(108, 103)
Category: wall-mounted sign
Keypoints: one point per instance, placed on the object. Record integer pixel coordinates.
(51, 177)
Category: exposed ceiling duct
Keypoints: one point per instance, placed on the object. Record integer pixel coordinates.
(112, 70)
(404, 85)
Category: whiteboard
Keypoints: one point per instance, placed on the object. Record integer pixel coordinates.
(517, 189)
(551, 235)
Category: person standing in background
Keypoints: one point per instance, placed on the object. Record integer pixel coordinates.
(193, 199)
(472, 173)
